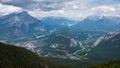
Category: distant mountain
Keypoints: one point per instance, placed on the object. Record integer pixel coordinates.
(98, 23)
(18, 57)
(19, 24)
(57, 22)
(107, 49)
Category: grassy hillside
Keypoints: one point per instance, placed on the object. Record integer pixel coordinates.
(18, 57)
(111, 64)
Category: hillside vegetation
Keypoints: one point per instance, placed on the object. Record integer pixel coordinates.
(111, 64)
(18, 57)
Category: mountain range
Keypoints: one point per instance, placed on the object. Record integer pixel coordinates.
(98, 23)
(92, 40)
(55, 37)
(31, 33)
(59, 22)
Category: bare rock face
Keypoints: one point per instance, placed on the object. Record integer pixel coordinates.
(20, 24)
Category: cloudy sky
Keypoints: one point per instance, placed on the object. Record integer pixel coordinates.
(75, 9)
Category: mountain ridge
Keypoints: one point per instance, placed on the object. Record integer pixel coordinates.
(98, 23)
(107, 49)
(20, 24)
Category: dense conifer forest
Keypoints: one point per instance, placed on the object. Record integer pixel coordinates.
(111, 64)
(18, 57)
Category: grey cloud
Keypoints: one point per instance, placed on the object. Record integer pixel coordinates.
(48, 5)
(45, 5)
(18, 3)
